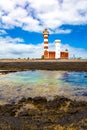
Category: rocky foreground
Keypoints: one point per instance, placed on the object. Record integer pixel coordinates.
(39, 114)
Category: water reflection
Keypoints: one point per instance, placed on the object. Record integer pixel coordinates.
(13, 86)
(76, 78)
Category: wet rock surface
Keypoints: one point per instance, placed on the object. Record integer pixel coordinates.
(40, 114)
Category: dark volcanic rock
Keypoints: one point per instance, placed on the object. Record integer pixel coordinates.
(39, 100)
(39, 114)
(9, 65)
(23, 100)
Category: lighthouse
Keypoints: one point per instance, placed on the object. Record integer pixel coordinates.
(46, 34)
(57, 52)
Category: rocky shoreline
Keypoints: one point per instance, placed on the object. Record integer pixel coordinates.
(39, 114)
(65, 65)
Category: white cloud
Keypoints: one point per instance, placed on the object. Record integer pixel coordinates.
(34, 15)
(3, 32)
(15, 48)
(60, 31)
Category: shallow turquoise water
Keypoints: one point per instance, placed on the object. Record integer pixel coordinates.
(13, 86)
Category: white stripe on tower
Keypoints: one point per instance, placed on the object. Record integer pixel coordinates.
(45, 40)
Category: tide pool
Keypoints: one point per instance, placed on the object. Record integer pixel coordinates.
(14, 86)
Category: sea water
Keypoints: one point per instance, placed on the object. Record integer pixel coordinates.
(14, 86)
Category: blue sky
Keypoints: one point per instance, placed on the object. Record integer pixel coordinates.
(23, 21)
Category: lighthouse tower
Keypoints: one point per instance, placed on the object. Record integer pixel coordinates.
(57, 54)
(46, 34)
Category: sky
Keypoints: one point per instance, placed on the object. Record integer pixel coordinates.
(22, 23)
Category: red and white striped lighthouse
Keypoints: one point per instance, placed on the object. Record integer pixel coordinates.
(46, 34)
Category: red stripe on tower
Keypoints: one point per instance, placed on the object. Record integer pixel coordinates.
(45, 47)
(45, 42)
